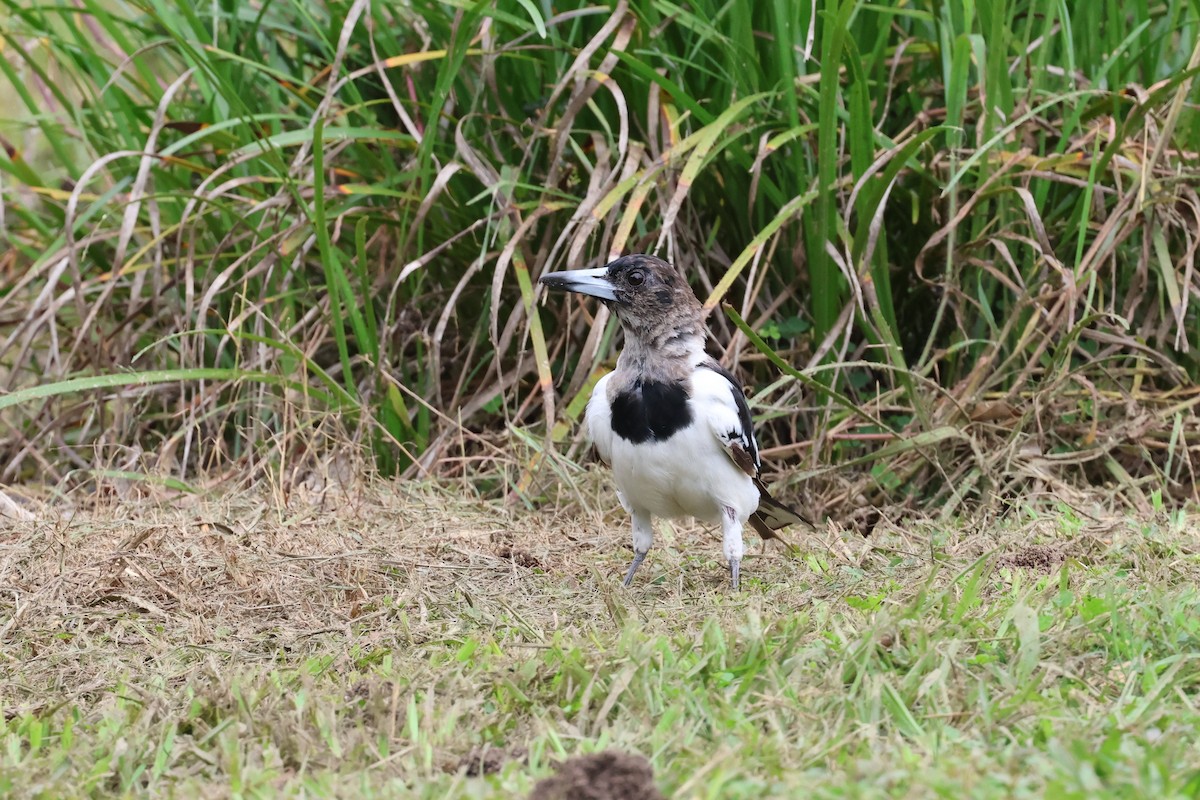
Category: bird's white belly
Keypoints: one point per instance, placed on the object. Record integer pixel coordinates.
(686, 475)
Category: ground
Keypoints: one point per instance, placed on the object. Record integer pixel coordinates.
(400, 640)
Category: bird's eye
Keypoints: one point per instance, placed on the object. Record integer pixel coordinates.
(636, 278)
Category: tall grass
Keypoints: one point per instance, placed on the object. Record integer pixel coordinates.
(965, 236)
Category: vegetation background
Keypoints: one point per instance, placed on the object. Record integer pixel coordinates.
(951, 244)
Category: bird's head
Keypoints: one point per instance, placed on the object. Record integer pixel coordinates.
(648, 295)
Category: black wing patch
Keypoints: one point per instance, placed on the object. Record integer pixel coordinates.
(650, 410)
(745, 451)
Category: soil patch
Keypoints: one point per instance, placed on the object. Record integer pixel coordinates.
(1038, 556)
(489, 760)
(610, 775)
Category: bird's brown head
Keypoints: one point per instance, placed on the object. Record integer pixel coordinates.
(649, 296)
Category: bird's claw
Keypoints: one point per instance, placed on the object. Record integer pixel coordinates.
(638, 558)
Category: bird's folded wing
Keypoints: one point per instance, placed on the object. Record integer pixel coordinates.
(599, 420)
(773, 514)
(719, 396)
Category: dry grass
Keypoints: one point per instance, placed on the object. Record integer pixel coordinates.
(384, 638)
(241, 574)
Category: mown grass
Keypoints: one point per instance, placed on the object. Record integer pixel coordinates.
(970, 229)
(224, 647)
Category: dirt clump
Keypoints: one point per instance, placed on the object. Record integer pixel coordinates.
(522, 558)
(489, 760)
(610, 775)
(1038, 556)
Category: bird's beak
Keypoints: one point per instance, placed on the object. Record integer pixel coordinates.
(585, 281)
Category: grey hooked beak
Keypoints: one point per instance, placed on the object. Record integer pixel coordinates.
(585, 281)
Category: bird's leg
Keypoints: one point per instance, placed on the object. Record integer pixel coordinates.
(643, 538)
(733, 547)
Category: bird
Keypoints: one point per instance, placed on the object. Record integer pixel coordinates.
(671, 422)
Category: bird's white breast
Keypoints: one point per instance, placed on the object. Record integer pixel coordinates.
(687, 474)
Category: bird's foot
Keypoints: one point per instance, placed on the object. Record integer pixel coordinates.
(735, 565)
(638, 558)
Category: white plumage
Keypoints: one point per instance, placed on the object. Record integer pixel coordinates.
(689, 474)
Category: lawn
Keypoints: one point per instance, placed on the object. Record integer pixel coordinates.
(386, 640)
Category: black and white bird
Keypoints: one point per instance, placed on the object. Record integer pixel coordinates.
(671, 422)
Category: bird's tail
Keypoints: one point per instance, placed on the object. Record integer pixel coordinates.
(773, 515)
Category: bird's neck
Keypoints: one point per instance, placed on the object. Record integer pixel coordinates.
(668, 353)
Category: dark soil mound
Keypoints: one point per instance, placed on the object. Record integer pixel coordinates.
(600, 776)
(489, 760)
